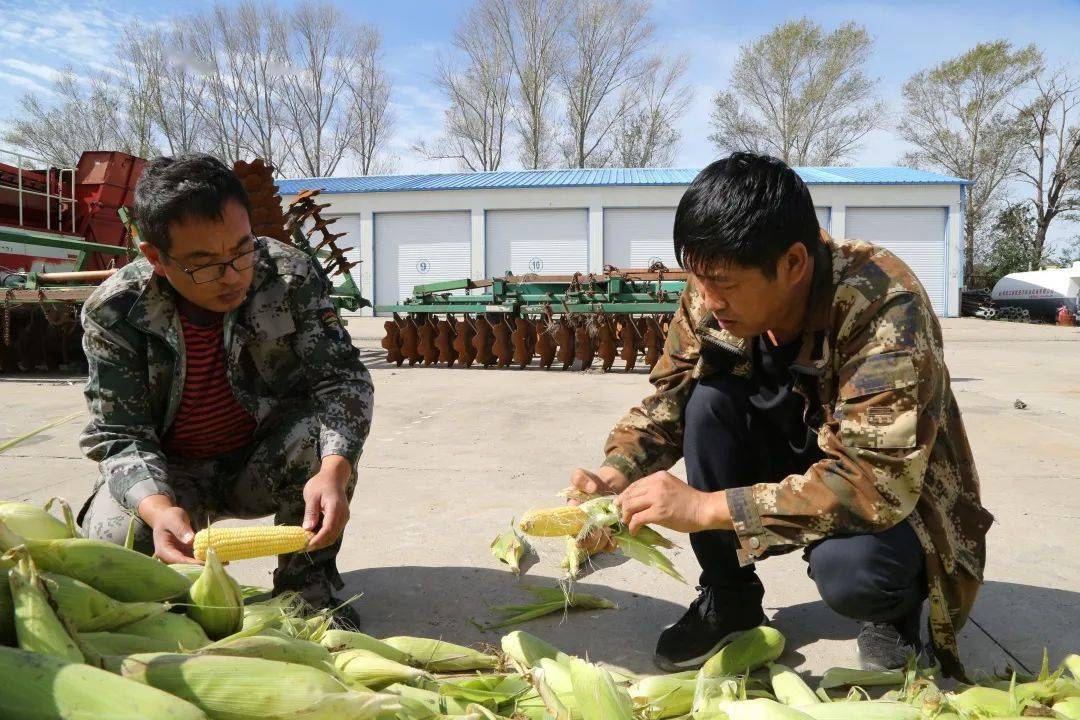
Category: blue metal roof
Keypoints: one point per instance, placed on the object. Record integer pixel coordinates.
(597, 177)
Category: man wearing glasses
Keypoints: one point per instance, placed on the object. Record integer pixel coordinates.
(222, 383)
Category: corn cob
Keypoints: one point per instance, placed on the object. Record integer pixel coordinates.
(110, 568)
(242, 688)
(527, 650)
(748, 651)
(553, 522)
(180, 631)
(251, 542)
(90, 610)
(32, 522)
(119, 643)
(37, 626)
(868, 710)
(597, 695)
(363, 669)
(40, 687)
(215, 600)
(274, 647)
(438, 656)
(335, 640)
(788, 687)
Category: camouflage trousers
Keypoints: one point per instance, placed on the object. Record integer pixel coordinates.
(264, 478)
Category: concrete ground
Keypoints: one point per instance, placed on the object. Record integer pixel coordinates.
(455, 454)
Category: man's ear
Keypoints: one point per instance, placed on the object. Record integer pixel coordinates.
(153, 255)
(796, 260)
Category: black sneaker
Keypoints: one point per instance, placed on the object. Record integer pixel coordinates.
(711, 621)
(889, 645)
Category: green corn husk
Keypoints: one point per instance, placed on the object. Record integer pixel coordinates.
(102, 565)
(597, 695)
(7, 607)
(37, 626)
(748, 651)
(864, 710)
(192, 573)
(526, 650)
(509, 547)
(243, 688)
(32, 522)
(40, 687)
(335, 640)
(665, 696)
(216, 603)
(424, 704)
(274, 647)
(838, 677)
(118, 643)
(551, 600)
(789, 688)
(1072, 664)
(635, 548)
(751, 709)
(90, 610)
(530, 706)
(1068, 709)
(180, 631)
(438, 656)
(365, 669)
(984, 701)
(487, 690)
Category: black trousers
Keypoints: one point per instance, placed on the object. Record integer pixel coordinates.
(728, 443)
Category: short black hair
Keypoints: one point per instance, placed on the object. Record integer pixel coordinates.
(173, 189)
(745, 209)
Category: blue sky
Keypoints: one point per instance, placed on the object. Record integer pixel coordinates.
(37, 37)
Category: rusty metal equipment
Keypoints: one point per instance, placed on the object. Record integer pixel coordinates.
(580, 321)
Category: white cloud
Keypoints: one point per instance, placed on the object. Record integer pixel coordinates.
(45, 72)
(23, 82)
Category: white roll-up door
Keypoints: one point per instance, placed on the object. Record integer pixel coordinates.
(917, 235)
(417, 248)
(824, 217)
(638, 237)
(546, 242)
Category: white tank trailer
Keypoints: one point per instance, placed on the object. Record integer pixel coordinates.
(1041, 292)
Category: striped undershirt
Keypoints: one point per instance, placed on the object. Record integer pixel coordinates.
(210, 421)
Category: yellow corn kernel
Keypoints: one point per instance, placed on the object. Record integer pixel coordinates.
(553, 522)
(251, 542)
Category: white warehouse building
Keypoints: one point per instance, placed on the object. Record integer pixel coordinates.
(415, 229)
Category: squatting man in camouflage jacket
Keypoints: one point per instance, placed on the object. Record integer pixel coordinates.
(222, 383)
(804, 385)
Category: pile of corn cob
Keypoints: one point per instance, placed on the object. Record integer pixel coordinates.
(91, 630)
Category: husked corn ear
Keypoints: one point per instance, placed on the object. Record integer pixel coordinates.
(748, 651)
(243, 688)
(789, 688)
(553, 522)
(216, 603)
(439, 656)
(38, 686)
(120, 573)
(365, 669)
(89, 609)
(597, 695)
(251, 542)
(37, 627)
(180, 631)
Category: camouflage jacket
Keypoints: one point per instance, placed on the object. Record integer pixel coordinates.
(285, 349)
(887, 421)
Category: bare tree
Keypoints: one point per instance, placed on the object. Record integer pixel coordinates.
(647, 136)
(800, 94)
(370, 96)
(529, 32)
(1050, 158)
(955, 115)
(161, 64)
(479, 94)
(86, 117)
(317, 116)
(606, 41)
(220, 111)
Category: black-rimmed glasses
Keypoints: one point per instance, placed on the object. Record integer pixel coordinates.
(216, 271)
